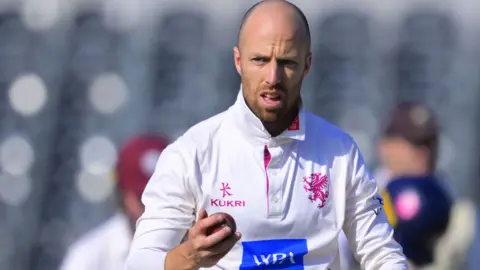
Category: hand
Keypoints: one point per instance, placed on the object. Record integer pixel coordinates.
(206, 250)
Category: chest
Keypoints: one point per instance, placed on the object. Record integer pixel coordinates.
(273, 191)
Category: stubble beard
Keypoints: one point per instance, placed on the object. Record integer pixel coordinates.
(277, 120)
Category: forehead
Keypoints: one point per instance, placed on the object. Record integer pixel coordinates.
(265, 32)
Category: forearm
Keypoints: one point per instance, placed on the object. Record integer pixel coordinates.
(179, 259)
(146, 259)
(373, 243)
(153, 259)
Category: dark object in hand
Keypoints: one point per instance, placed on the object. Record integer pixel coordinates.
(227, 221)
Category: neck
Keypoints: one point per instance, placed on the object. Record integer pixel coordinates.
(277, 127)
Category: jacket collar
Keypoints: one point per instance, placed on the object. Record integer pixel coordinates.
(249, 124)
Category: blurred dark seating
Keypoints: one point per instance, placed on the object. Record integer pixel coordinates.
(174, 51)
(339, 62)
(427, 41)
(92, 52)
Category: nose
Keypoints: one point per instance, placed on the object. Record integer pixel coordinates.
(274, 73)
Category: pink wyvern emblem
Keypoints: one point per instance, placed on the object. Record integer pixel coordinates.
(317, 185)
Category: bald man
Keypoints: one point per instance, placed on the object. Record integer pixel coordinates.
(291, 180)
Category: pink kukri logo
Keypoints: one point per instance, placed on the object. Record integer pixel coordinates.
(225, 190)
(317, 186)
(225, 202)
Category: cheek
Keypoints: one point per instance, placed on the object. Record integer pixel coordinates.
(293, 78)
(293, 74)
(249, 90)
(402, 154)
(252, 79)
(390, 152)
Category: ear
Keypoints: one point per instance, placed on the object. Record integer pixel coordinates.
(308, 64)
(236, 58)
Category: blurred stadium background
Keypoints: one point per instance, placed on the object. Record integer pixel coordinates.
(78, 78)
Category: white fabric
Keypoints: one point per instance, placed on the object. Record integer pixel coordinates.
(347, 259)
(382, 176)
(279, 223)
(104, 248)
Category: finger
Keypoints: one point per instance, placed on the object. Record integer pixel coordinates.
(215, 253)
(202, 214)
(218, 236)
(226, 245)
(203, 225)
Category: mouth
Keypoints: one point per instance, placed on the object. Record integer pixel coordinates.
(272, 100)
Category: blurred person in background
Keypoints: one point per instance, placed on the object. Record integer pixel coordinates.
(106, 246)
(434, 231)
(408, 152)
(417, 200)
(409, 146)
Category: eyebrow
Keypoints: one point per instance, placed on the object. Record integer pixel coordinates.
(290, 56)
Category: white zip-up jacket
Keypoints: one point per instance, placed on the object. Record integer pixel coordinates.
(290, 195)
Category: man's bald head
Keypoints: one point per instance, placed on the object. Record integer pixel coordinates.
(273, 57)
(275, 6)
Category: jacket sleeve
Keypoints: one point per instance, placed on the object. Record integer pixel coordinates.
(369, 234)
(169, 212)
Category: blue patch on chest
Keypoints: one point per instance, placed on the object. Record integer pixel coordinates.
(274, 254)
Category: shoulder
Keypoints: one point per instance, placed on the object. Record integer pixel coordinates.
(327, 135)
(200, 137)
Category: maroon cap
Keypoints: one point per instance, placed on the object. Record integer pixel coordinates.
(414, 122)
(136, 162)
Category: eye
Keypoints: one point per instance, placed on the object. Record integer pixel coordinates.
(288, 63)
(260, 60)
